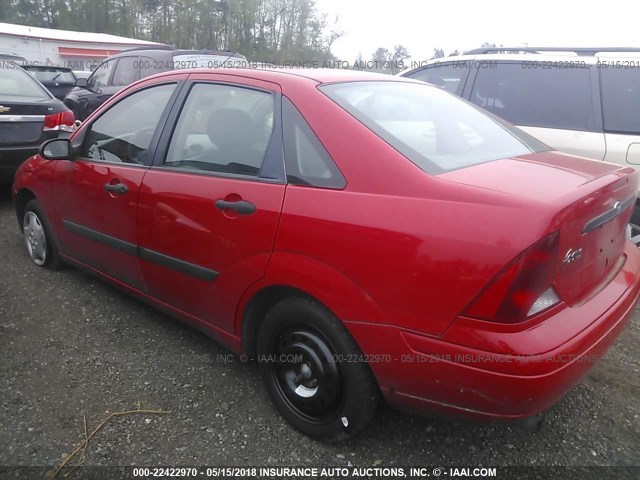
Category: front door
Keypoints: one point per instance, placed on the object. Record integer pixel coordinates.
(210, 205)
(97, 193)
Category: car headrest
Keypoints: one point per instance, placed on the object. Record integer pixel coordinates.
(229, 127)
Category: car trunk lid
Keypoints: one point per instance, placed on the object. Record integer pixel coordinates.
(589, 202)
(21, 119)
(592, 239)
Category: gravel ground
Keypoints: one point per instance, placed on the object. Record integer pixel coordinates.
(72, 346)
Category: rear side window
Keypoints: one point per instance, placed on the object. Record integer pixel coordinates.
(126, 71)
(620, 89)
(16, 82)
(437, 131)
(150, 66)
(306, 160)
(537, 97)
(223, 129)
(450, 77)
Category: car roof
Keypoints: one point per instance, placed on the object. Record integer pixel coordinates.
(317, 75)
(586, 56)
(11, 56)
(175, 51)
(580, 51)
(513, 57)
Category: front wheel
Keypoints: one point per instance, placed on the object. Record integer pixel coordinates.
(313, 371)
(38, 239)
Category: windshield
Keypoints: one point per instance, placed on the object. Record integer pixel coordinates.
(434, 129)
(52, 75)
(16, 82)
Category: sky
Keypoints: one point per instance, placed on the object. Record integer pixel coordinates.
(422, 25)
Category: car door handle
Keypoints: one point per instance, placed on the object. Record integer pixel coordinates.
(117, 188)
(242, 206)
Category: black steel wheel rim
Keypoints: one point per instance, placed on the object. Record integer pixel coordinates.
(306, 373)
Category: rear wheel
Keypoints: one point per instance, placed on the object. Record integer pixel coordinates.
(38, 239)
(313, 371)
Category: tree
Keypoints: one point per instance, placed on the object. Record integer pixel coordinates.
(437, 53)
(400, 54)
(381, 55)
(262, 30)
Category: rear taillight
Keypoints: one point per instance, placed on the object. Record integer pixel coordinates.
(522, 289)
(61, 121)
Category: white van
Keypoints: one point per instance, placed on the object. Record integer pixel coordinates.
(583, 101)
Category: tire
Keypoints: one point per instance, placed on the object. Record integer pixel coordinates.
(299, 347)
(40, 244)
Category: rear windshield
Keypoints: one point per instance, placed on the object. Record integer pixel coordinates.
(435, 130)
(16, 82)
(52, 75)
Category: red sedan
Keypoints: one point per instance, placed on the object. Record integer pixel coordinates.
(359, 235)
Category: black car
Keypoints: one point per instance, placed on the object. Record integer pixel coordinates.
(58, 80)
(124, 68)
(29, 115)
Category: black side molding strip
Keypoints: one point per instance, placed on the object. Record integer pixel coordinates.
(176, 264)
(161, 259)
(107, 240)
(609, 215)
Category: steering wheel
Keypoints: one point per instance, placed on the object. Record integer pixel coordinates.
(141, 137)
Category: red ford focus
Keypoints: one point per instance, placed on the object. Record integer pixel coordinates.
(360, 235)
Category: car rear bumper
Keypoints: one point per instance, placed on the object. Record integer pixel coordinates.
(423, 373)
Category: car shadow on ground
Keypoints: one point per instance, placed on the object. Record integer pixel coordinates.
(5, 193)
(389, 426)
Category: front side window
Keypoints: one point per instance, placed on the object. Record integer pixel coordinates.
(223, 129)
(100, 75)
(621, 99)
(435, 130)
(126, 72)
(537, 96)
(123, 133)
(449, 77)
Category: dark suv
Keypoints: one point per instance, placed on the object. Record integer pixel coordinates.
(124, 68)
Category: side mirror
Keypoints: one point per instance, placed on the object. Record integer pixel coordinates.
(82, 82)
(56, 149)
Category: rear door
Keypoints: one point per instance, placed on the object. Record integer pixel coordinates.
(556, 102)
(210, 205)
(620, 87)
(97, 193)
